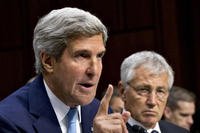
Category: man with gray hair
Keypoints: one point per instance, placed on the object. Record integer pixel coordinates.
(146, 78)
(69, 45)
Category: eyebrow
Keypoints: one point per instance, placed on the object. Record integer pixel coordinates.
(149, 86)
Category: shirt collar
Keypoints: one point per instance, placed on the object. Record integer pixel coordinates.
(60, 108)
(132, 122)
(157, 128)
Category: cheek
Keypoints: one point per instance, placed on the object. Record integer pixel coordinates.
(69, 76)
(163, 105)
(74, 70)
(99, 68)
(133, 102)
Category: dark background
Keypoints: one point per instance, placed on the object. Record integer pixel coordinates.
(169, 27)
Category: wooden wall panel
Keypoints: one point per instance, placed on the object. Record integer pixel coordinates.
(139, 14)
(11, 72)
(10, 25)
(120, 46)
(170, 45)
(110, 13)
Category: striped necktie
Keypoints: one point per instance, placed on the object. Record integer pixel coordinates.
(138, 129)
(71, 120)
(154, 131)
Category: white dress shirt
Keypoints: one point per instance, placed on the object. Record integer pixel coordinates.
(61, 111)
(132, 122)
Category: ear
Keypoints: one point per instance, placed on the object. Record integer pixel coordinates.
(121, 90)
(47, 62)
(167, 112)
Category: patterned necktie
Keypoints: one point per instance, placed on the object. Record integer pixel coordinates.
(71, 120)
(154, 131)
(138, 129)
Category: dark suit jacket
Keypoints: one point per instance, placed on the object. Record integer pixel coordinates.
(196, 125)
(165, 127)
(28, 110)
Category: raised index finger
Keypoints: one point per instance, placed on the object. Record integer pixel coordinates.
(103, 108)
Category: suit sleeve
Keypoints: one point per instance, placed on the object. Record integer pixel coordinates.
(6, 126)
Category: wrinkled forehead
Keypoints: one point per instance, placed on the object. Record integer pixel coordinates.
(147, 75)
(151, 71)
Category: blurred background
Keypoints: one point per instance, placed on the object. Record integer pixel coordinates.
(169, 27)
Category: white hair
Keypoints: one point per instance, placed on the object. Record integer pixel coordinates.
(149, 59)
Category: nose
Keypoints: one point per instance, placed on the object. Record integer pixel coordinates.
(92, 67)
(190, 120)
(151, 99)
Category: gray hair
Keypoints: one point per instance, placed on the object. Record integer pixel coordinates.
(148, 59)
(58, 28)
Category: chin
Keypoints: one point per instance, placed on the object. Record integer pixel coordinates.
(85, 101)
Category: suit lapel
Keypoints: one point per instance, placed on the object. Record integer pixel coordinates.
(46, 125)
(88, 113)
(40, 107)
(129, 128)
(163, 129)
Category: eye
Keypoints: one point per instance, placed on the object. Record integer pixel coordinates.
(143, 90)
(184, 115)
(161, 92)
(85, 55)
(82, 54)
(100, 55)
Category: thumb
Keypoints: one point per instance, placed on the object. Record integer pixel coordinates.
(103, 108)
(126, 115)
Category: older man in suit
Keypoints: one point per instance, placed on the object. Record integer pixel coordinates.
(69, 44)
(146, 79)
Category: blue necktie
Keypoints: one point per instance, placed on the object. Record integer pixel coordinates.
(71, 120)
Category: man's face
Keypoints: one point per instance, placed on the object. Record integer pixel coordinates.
(117, 104)
(146, 96)
(182, 116)
(76, 75)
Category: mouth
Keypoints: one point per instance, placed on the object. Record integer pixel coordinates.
(150, 113)
(86, 86)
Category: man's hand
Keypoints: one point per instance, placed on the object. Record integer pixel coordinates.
(109, 123)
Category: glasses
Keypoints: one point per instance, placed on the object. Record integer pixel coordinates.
(146, 91)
